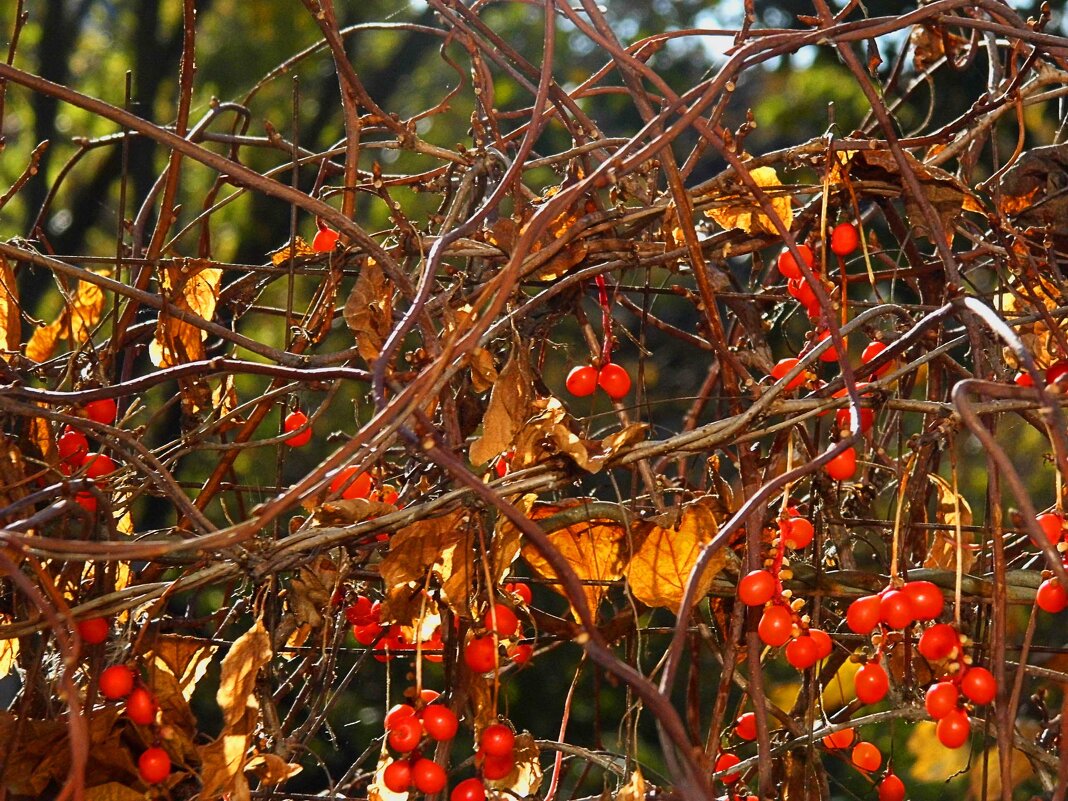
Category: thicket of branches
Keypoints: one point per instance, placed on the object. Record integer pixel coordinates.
(472, 513)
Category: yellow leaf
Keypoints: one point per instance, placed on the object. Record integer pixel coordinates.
(113, 791)
(272, 769)
(660, 570)
(192, 286)
(300, 248)
(741, 210)
(839, 690)
(9, 653)
(1020, 771)
(934, 762)
(369, 310)
(10, 319)
(942, 552)
(75, 322)
(508, 409)
(595, 551)
(634, 789)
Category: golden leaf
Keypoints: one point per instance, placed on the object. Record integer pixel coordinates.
(548, 433)
(595, 551)
(659, 571)
(113, 791)
(942, 552)
(525, 777)
(933, 761)
(1020, 771)
(76, 322)
(10, 318)
(563, 259)
(634, 789)
(9, 653)
(272, 769)
(185, 658)
(191, 286)
(739, 209)
(299, 248)
(174, 709)
(483, 369)
(369, 310)
(508, 409)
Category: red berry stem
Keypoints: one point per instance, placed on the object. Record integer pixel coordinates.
(606, 320)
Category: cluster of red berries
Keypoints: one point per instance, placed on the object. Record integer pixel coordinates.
(943, 698)
(867, 757)
(612, 378)
(496, 752)
(1051, 596)
(349, 483)
(73, 449)
(481, 654)
(405, 729)
(120, 682)
(780, 623)
(1053, 375)
(845, 238)
(365, 617)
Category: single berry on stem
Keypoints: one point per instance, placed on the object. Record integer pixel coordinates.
(954, 729)
(103, 411)
(776, 625)
(428, 776)
(94, 630)
(582, 381)
(756, 588)
(614, 380)
(325, 239)
(468, 790)
(941, 699)
(154, 765)
(141, 707)
(787, 264)
(296, 420)
(871, 683)
(397, 775)
(867, 756)
(116, 682)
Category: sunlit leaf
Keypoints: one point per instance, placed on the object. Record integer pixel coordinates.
(525, 777)
(933, 761)
(191, 286)
(75, 323)
(739, 209)
(508, 409)
(10, 318)
(942, 552)
(283, 254)
(369, 310)
(272, 769)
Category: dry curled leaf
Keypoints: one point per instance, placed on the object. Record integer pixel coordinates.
(738, 208)
(634, 789)
(660, 569)
(75, 323)
(369, 310)
(271, 769)
(185, 658)
(509, 407)
(10, 318)
(952, 510)
(298, 248)
(190, 285)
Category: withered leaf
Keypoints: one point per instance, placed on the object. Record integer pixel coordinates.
(738, 208)
(191, 285)
(9, 652)
(942, 552)
(594, 549)
(10, 319)
(113, 791)
(659, 571)
(369, 310)
(508, 409)
(299, 248)
(76, 323)
(185, 658)
(634, 789)
(272, 769)
(563, 257)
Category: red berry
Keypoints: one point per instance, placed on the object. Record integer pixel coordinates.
(787, 264)
(926, 599)
(891, 788)
(502, 620)
(867, 419)
(397, 714)
(979, 685)
(154, 765)
(840, 740)
(871, 683)
(801, 289)
(116, 682)
(97, 465)
(1052, 526)
(440, 722)
(141, 707)
(802, 652)
(895, 609)
(497, 740)
(86, 500)
(497, 767)
(746, 726)
(1051, 596)
(756, 588)
(824, 644)
(941, 699)
(843, 466)
(325, 240)
(405, 734)
(954, 729)
(73, 447)
(831, 353)
(725, 762)
(468, 790)
(94, 630)
(295, 420)
(776, 625)
(397, 775)
(582, 381)
(480, 654)
(844, 238)
(867, 756)
(428, 776)
(1055, 371)
(351, 483)
(784, 366)
(102, 411)
(870, 352)
(797, 532)
(938, 642)
(1023, 379)
(521, 589)
(614, 380)
(520, 653)
(367, 634)
(863, 614)
(358, 613)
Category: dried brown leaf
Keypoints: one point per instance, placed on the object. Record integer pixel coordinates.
(10, 318)
(634, 789)
(113, 791)
(191, 285)
(737, 208)
(942, 552)
(369, 310)
(272, 769)
(298, 249)
(660, 570)
(185, 658)
(76, 322)
(508, 409)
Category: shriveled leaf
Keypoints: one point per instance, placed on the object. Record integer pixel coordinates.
(525, 777)
(660, 570)
(933, 762)
(346, 511)
(9, 653)
(185, 658)
(1021, 298)
(483, 369)
(12, 476)
(284, 253)
(547, 433)
(174, 709)
(113, 791)
(271, 769)
(1032, 190)
(369, 310)
(595, 550)
(222, 768)
(10, 319)
(611, 445)
(563, 257)
(942, 552)
(634, 789)
(191, 286)
(75, 323)
(738, 208)
(931, 42)
(508, 409)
